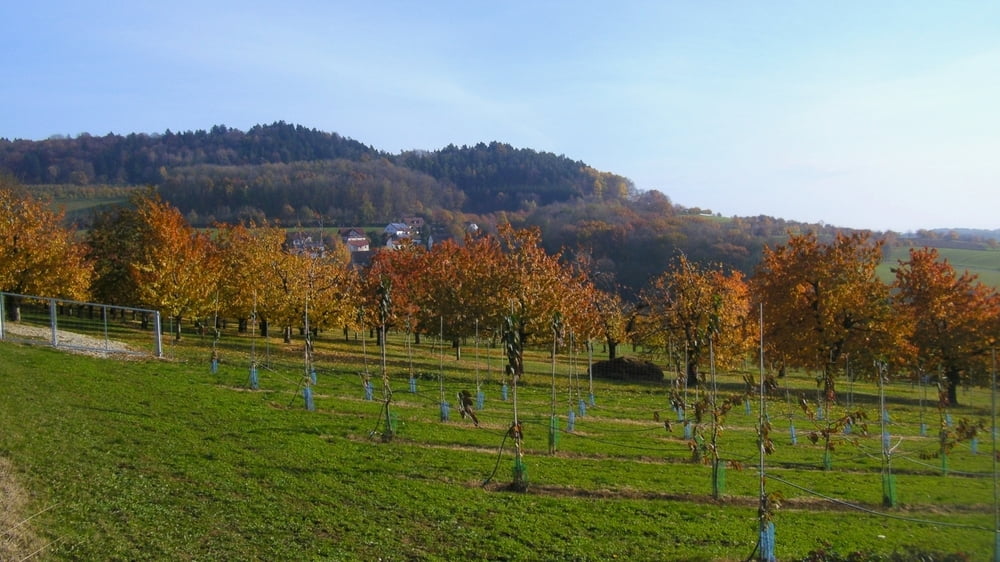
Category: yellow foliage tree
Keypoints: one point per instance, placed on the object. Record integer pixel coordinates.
(38, 255)
(249, 284)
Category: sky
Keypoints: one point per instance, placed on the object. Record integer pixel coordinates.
(876, 115)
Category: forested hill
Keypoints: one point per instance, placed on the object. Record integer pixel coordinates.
(497, 176)
(139, 159)
(280, 169)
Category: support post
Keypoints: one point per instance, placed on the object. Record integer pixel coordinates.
(52, 323)
(158, 334)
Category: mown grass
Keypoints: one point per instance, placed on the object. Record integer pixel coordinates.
(137, 460)
(984, 263)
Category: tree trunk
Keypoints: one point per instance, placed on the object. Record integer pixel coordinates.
(612, 349)
(692, 374)
(953, 377)
(287, 334)
(13, 308)
(177, 331)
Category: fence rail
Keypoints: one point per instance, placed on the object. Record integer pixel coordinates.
(80, 326)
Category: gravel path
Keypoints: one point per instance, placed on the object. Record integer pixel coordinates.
(76, 343)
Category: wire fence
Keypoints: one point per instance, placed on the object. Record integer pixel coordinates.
(80, 326)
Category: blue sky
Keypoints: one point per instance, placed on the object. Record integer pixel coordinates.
(881, 115)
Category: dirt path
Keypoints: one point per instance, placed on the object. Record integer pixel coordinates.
(17, 538)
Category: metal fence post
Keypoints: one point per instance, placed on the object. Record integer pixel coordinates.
(158, 335)
(52, 322)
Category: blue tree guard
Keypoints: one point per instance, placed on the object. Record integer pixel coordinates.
(571, 421)
(480, 399)
(885, 440)
(687, 430)
(413, 385)
(503, 392)
(974, 445)
(445, 410)
(746, 407)
(767, 542)
(369, 390)
(312, 375)
(848, 428)
(923, 429)
(583, 408)
(592, 399)
(885, 416)
(680, 413)
(254, 382)
(215, 366)
(307, 394)
(791, 431)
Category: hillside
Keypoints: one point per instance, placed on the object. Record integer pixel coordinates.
(304, 177)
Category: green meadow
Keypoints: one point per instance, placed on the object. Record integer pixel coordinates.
(983, 262)
(111, 459)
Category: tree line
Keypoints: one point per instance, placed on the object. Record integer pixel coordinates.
(492, 177)
(817, 303)
(291, 175)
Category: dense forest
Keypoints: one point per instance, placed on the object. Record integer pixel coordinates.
(296, 176)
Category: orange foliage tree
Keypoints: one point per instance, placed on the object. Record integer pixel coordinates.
(954, 317)
(823, 302)
(177, 269)
(38, 255)
(402, 269)
(534, 283)
(690, 308)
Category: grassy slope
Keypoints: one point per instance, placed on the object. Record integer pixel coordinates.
(162, 460)
(984, 263)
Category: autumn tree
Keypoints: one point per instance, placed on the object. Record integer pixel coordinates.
(463, 286)
(402, 268)
(177, 270)
(954, 317)
(248, 283)
(114, 241)
(333, 291)
(692, 308)
(38, 255)
(533, 282)
(823, 302)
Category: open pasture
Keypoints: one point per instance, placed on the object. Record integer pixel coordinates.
(150, 459)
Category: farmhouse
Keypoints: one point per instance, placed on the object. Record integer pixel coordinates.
(354, 239)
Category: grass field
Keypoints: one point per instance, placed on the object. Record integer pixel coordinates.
(985, 263)
(165, 460)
